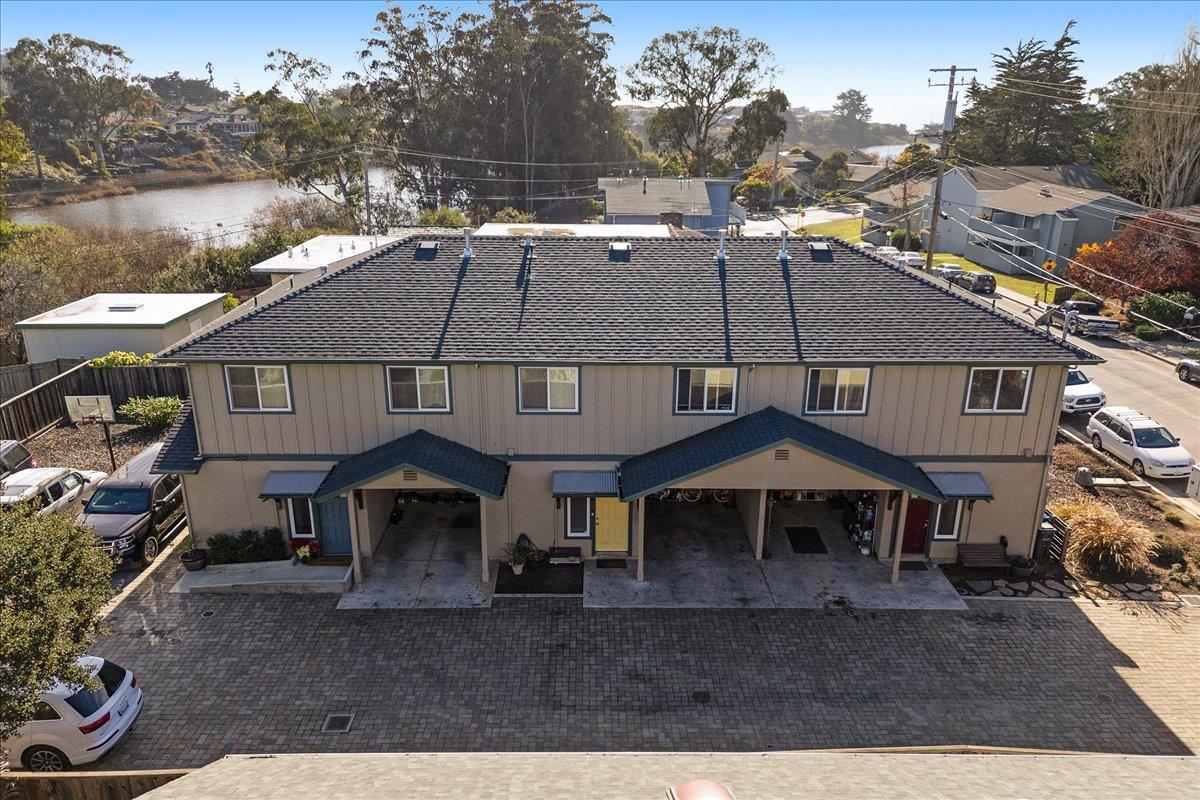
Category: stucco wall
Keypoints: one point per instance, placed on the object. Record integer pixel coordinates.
(43, 344)
(748, 503)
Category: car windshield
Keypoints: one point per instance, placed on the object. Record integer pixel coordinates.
(119, 501)
(1154, 437)
(88, 701)
(1076, 378)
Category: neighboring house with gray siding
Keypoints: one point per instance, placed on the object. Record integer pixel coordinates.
(699, 204)
(570, 386)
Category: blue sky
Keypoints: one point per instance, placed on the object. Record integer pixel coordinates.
(822, 48)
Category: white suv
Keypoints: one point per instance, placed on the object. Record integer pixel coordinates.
(1080, 394)
(49, 488)
(1140, 442)
(76, 725)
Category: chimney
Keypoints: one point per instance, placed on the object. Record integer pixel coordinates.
(783, 251)
(721, 249)
(467, 254)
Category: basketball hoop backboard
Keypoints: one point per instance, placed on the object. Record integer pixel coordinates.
(83, 409)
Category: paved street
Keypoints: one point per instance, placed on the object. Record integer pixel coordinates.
(813, 216)
(259, 674)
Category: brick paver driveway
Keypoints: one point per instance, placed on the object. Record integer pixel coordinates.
(260, 673)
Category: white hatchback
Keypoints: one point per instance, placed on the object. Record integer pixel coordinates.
(1080, 394)
(76, 725)
(1147, 447)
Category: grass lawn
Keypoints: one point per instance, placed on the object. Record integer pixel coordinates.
(849, 230)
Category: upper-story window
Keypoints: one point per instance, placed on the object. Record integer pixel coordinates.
(548, 389)
(997, 390)
(837, 390)
(258, 388)
(419, 389)
(705, 390)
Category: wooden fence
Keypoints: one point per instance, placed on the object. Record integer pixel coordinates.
(1057, 541)
(84, 785)
(23, 377)
(41, 407)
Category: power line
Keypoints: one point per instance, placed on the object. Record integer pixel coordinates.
(470, 159)
(1186, 110)
(1068, 85)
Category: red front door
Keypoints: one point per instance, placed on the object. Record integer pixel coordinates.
(916, 525)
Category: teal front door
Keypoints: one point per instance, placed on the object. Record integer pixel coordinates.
(334, 527)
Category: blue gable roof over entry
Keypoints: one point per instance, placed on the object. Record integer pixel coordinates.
(754, 433)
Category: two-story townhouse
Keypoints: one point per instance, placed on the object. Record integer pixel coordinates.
(568, 385)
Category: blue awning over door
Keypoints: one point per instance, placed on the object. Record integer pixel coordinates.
(584, 483)
(292, 483)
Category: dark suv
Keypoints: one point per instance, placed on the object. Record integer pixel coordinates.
(976, 282)
(14, 457)
(134, 511)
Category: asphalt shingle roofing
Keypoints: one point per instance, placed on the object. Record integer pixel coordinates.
(180, 453)
(670, 302)
(656, 195)
(754, 433)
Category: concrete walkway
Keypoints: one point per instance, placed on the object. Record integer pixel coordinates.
(265, 577)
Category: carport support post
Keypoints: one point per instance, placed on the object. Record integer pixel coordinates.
(640, 533)
(760, 534)
(898, 538)
(355, 560)
(483, 548)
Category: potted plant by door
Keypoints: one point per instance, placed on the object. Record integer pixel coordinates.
(516, 554)
(1021, 566)
(306, 549)
(193, 558)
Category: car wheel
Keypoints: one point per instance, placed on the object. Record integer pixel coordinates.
(1097, 443)
(43, 758)
(149, 550)
(1138, 468)
(1185, 374)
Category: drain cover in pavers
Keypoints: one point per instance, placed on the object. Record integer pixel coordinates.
(806, 540)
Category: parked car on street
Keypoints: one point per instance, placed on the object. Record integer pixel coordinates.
(14, 456)
(50, 488)
(886, 253)
(1188, 370)
(980, 282)
(948, 272)
(1147, 447)
(909, 259)
(1080, 394)
(75, 725)
(1082, 318)
(134, 511)
(866, 247)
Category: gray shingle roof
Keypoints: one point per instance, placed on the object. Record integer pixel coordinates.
(1032, 198)
(669, 302)
(661, 195)
(1079, 176)
(180, 453)
(754, 433)
(426, 453)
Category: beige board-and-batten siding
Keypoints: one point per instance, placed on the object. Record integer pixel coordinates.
(340, 409)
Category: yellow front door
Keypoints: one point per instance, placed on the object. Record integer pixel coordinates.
(612, 525)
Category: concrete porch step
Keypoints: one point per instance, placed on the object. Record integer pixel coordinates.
(269, 577)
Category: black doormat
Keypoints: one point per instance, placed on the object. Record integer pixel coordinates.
(918, 566)
(541, 578)
(611, 563)
(806, 540)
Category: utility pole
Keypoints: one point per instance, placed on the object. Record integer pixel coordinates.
(363, 154)
(943, 152)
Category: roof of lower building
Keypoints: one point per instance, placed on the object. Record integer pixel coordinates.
(426, 453)
(123, 310)
(652, 196)
(180, 453)
(1033, 198)
(1077, 176)
(910, 192)
(634, 231)
(663, 300)
(860, 173)
(755, 433)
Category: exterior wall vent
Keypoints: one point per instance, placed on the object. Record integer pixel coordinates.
(782, 454)
(408, 474)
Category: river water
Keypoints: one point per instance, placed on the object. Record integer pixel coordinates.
(211, 213)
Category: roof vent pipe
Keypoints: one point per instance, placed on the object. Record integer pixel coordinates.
(527, 242)
(467, 253)
(783, 251)
(645, 180)
(721, 249)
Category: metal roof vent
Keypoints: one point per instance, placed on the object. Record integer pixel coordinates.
(820, 251)
(619, 251)
(721, 249)
(337, 723)
(645, 180)
(1045, 191)
(124, 307)
(467, 251)
(427, 250)
(783, 251)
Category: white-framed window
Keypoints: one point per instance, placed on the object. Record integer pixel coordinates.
(258, 388)
(998, 390)
(838, 390)
(705, 390)
(947, 519)
(548, 389)
(418, 389)
(579, 517)
(300, 518)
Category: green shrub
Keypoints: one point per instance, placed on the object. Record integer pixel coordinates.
(222, 549)
(1173, 518)
(229, 303)
(122, 358)
(1162, 308)
(247, 546)
(589, 207)
(441, 217)
(154, 413)
(1147, 332)
(896, 240)
(510, 215)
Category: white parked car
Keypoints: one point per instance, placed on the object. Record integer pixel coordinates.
(909, 259)
(886, 253)
(866, 247)
(1080, 394)
(51, 488)
(1147, 447)
(76, 725)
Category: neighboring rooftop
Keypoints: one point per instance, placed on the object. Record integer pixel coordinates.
(122, 310)
(910, 192)
(662, 300)
(653, 196)
(860, 173)
(571, 229)
(319, 251)
(1033, 198)
(1077, 176)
